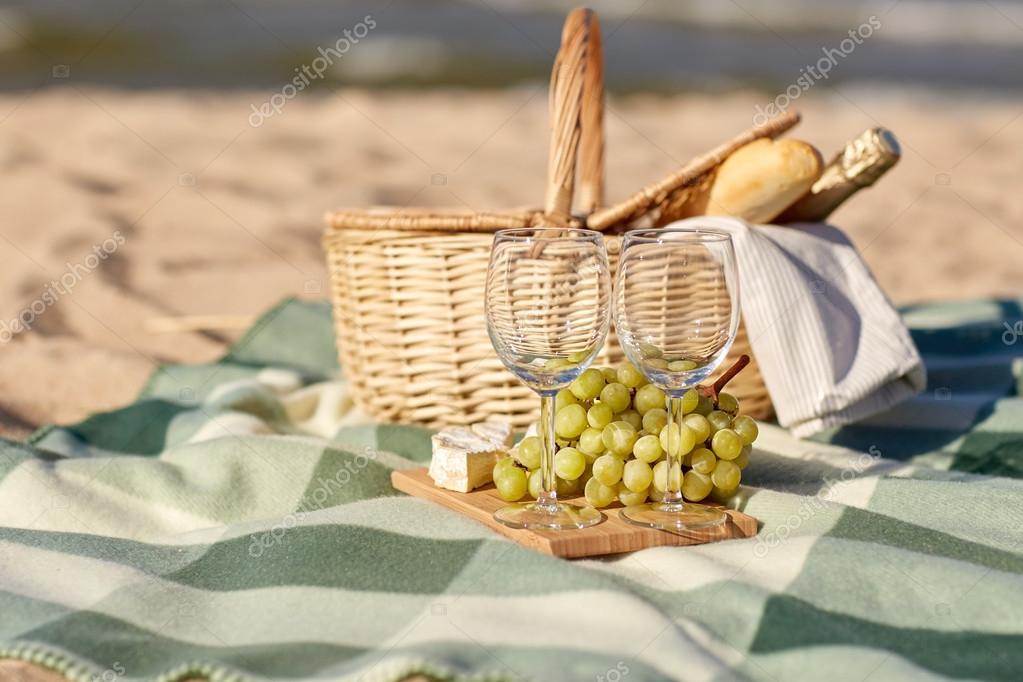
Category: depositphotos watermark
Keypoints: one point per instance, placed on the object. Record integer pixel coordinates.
(816, 504)
(811, 74)
(314, 70)
(111, 674)
(615, 674)
(1013, 333)
(54, 289)
(314, 501)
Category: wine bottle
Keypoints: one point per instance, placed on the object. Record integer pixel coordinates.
(858, 165)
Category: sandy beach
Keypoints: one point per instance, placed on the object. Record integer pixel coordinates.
(122, 207)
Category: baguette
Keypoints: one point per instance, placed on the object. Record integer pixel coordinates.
(763, 178)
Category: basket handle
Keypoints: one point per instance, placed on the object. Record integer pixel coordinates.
(577, 119)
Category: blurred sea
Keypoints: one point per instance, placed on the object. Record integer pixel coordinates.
(658, 45)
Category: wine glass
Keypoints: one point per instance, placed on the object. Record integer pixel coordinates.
(676, 312)
(548, 301)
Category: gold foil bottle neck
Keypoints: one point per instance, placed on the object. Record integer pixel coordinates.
(862, 161)
(859, 164)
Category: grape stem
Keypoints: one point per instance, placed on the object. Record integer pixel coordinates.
(715, 389)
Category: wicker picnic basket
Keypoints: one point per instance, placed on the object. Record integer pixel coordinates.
(407, 284)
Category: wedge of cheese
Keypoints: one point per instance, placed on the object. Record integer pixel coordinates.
(463, 458)
(499, 432)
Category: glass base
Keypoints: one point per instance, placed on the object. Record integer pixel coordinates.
(677, 517)
(556, 517)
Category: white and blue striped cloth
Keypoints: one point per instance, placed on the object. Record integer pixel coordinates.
(831, 347)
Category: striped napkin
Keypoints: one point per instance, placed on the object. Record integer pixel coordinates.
(830, 345)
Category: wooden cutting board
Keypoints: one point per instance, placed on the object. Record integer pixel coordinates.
(611, 536)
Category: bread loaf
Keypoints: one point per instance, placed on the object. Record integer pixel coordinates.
(762, 179)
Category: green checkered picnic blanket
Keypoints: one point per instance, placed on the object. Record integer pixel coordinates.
(237, 522)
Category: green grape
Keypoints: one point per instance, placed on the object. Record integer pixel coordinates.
(648, 449)
(637, 475)
(696, 486)
(556, 364)
(682, 365)
(598, 494)
(726, 444)
(579, 356)
(587, 385)
(619, 437)
(528, 452)
(630, 377)
(718, 420)
(722, 494)
(610, 374)
(690, 399)
(648, 398)
(630, 498)
(569, 463)
(535, 484)
(616, 396)
(660, 481)
(682, 439)
(631, 417)
(599, 416)
(728, 403)
(726, 475)
(563, 398)
(743, 459)
(591, 443)
(568, 488)
(700, 426)
(570, 421)
(747, 428)
(654, 420)
(656, 363)
(703, 460)
(705, 406)
(503, 465)
(649, 351)
(608, 469)
(511, 484)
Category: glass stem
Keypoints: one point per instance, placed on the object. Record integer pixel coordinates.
(673, 486)
(548, 499)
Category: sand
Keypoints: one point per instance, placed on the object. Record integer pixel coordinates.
(204, 214)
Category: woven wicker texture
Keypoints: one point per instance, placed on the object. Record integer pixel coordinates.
(407, 284)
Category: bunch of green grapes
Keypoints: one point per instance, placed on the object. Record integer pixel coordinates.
(613, 439)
